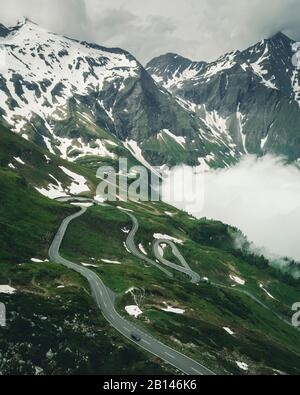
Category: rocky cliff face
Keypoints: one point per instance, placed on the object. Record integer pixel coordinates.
(81, 99)
(78, 99)
(251, 95)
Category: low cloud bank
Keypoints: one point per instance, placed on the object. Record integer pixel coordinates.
(260, 196)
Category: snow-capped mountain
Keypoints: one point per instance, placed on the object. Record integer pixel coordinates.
(78, 99)
(252, 95)
(44, 79)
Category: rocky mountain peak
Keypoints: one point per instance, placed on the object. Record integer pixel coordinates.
(280, 38)
(4, 31)
(244, 95)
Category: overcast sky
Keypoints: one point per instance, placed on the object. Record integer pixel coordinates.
(198, 29)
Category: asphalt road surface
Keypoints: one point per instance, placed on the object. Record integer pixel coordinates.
(130, 242)
(185, 268)
(105, 298)
(131, 245)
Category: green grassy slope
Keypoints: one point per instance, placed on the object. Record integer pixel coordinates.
(74, 336)
(262, 340)
(50, 330)
(28, 220)
(39, 164)
(56, 331)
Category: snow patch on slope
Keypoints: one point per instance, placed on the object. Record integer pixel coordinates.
(177, 78)
(52, 191)
(261, 72)
(160, 236)
(174, 310)
(6, 289)
(180, 140)
(56, 190)
(237, 279)
(79, 185)
(267, 292)
(142, 249)
(224, 63)
(242, 365)
(109, 261)
(134, 311)
(228, 330)
(136, 151)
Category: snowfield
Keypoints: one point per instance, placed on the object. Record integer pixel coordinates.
(267, 292)
(169, 214)
(56, 190)
(19, 160)
(131, 290)
(52, 191)
(125, 209)
(79, 185)
(237, 280)
(174, 310)
(228, 330)
(242, 365)
(109, 261)
(180, 140)
(160, 236)
(126, 248)
(142, 249)
(87, 205)
(136, 151)
(88, 265)
(36, 260)
(134, 311)
(6, 289)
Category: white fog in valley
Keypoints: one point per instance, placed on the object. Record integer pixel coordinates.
(260, 196)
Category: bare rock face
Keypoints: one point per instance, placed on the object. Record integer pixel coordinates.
(64, 94)
(251, 95)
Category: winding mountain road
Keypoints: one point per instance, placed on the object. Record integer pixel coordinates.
(130, 242)
(131, 245)
(185, 268)
(105, 300)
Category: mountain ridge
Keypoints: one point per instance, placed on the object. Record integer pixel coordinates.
(76, 99)
(235, 321)
(274, 37)
(247, 93)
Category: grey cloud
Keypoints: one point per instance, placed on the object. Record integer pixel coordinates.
(113, 22)
(199, 29)
(260, 196)
(67, 17)
(144, 37)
